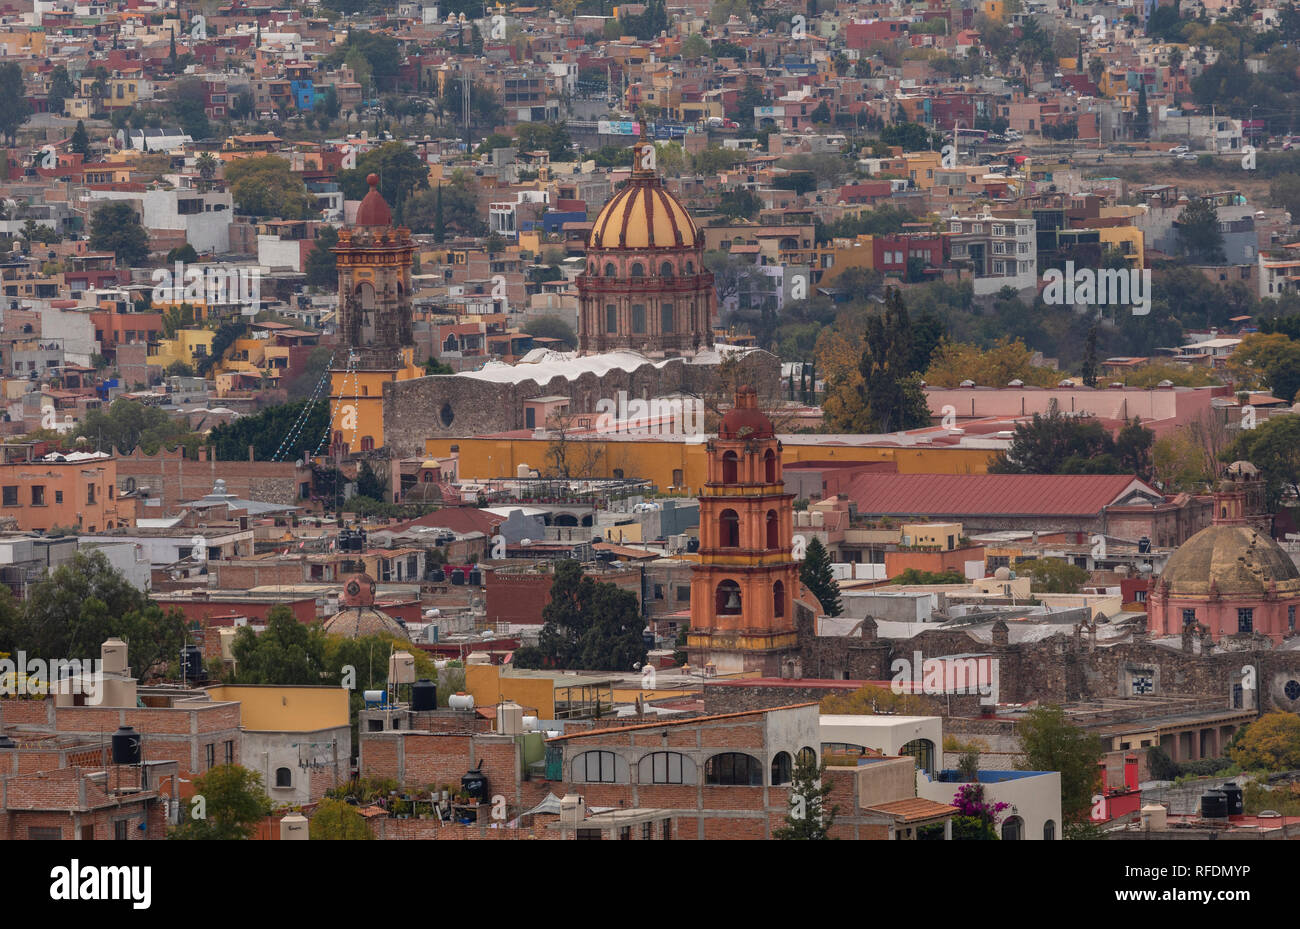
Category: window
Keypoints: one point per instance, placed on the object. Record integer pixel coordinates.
(1049, 831)
(38, 495)
(1013, 830)
(611, 318)
(1292, 690)
(769, 467)
(733, 769)
(1245, 619)
(638, 269)
(638, 318)
(120, 830)
(599, 768)
(668, 829)
(44, 833)
(10, 496)
(1189, 617)
(773, 530)
(684, 594)
(923, 751)
(667, 768)
(782, 769)
(730, 467)
(625, 833)
(90, 493)
(665, 317)
(666, 269)
(230, 751)
(647, 830)
(1290, 618)
(210, 755)
(679, 477)
(778, 599)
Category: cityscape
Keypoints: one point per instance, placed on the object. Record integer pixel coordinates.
(718, 420)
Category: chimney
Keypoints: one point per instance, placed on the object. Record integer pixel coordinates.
(250, 454)
(1131, 772)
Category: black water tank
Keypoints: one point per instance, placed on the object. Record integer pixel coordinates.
(476, 785)
(648, 638)
(126, 746)
(192, 662)
(1236, 801)
(457, 577)
(1144, 545)
(475, 577)
(438, 575)
(692, 545)
(6, 742)
(424, 696)
(1214, 805)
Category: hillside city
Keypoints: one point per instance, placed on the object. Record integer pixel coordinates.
(717, 419)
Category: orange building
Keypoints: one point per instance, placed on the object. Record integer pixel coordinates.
(743, 588)
(75, 492)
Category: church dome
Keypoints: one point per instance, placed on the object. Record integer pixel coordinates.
(745, 420)
(358, 616)
(643, 215)
(1239, 560)
(374, 209)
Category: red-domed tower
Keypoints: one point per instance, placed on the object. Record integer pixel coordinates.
(744, 586)
(645, 287)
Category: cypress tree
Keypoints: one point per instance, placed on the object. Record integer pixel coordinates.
(817, 576)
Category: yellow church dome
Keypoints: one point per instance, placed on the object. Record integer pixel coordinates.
(643, 215)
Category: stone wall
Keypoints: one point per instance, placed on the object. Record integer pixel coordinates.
(172, 479)
(451, 405)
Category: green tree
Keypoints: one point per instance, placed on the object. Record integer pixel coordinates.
(1271, 743)
(1049, 742)
(80, 141)
(891, 393)
(322, 268)
(14, 108)
(808, 818)
(187, 102)
(114, 227)
(1089, 371)
(1197, 231)
(400, 170)
(234, 802)
(817, 576)
(74, 608)
(335, 819)
(1273, 447)
(1142, 118)
(128, 424)
(267, 186)
(587, 626)
(266, 431)
(61, 88)
(185, 253)
(1054, 575)
(287, 652)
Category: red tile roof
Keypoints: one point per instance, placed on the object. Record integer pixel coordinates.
(460, 519)
(991, 494)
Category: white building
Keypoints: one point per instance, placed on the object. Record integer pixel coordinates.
(1002, 252)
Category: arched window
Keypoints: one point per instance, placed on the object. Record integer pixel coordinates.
(600, 768)
(610, 270)
(782, 769)
(283, 777)
(778, 599)
(733, 769)
(727, 599)
(666, 269)
(729, 529)
(667, 768)
(690, 267)
(769, 467)
(591, 267)
(923, 751)
(806, 755)
(1013, 830)
(730, 468)
(367, 443)
(773, 530)
(638, 269)
(566, 519)
(1049, 831)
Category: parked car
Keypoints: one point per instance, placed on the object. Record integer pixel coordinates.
(1188, 156)
(1179, 150)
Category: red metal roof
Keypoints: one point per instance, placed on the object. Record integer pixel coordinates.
(991, 494)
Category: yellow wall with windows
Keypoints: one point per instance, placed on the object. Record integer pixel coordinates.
(1118, 236)
(357, 401)
(184, 346)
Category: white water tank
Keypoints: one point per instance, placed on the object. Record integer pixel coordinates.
(1155, 817)
(401, 668)
(530, 723)
(113, 655)
(294, 828)
(461, 701)
(573, 810)
(510, 719)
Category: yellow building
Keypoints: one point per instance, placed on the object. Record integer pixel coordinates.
(1129, 241)
(286, 708)
(187, 345)
(683, 464)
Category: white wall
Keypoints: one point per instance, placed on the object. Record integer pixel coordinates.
(1034, 797)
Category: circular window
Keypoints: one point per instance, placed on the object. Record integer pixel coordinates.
(1292, 690)
(447, 416)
